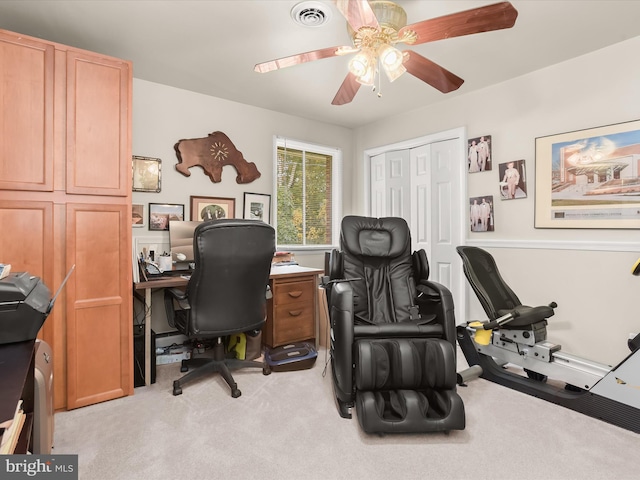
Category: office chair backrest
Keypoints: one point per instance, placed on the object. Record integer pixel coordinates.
(377, 251)
(493, 292)
(227, 289)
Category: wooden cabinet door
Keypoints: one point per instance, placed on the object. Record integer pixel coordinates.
(26, 241)
(99, 316)
(26, 113)
(98, 125)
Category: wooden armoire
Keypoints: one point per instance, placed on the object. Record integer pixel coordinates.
(65, 199)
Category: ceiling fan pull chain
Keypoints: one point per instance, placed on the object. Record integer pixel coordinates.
(379, 78)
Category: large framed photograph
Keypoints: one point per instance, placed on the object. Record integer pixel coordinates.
(212, 208)
(589, 178)
(257, 206)
(160, 214)
(147, 174)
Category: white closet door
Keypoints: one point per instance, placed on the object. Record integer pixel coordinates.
(398, 189)
(420, 184)
(378, 185)
(445, 210)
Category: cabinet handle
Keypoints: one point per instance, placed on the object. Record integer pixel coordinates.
(295, 313)
(295, 294)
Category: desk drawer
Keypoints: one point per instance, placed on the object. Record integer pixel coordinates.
(294, 292)
(294, 322)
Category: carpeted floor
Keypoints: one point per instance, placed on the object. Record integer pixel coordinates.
(286, 426)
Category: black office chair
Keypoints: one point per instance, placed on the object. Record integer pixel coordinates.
(226, 293)
(393, 339)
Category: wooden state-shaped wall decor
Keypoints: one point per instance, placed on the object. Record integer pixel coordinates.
(212, 153)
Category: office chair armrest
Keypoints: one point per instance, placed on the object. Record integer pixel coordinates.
(177, 293)
(180, 296)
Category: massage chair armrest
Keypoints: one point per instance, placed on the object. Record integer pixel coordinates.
(435, 298)
(341, 321)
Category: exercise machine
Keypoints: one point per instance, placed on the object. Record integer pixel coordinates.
(516, 336)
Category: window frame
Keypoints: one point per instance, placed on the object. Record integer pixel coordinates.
(336, 188)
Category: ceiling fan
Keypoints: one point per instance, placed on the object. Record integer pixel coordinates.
(376, 26)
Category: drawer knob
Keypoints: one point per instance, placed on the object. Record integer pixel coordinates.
(295, 313)
(295, 294)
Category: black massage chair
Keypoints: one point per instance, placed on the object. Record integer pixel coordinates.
(393, 337)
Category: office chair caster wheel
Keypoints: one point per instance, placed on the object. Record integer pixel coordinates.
(177, 389)
(184, 367)
(235, 393)
(266, 370)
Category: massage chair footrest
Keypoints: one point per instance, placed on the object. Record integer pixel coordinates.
(407, 385)
(408, 411)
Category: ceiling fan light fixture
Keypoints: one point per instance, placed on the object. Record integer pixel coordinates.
(368, 78)
(391, 60)
(390, 56)
(361, 63)
(394, 73)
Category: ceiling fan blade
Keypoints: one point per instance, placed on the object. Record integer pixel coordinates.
(299, 58)
(358, 13)
(431, 73)
(347, 90)
(483, 19)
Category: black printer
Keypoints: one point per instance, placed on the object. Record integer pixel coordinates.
(25, 303)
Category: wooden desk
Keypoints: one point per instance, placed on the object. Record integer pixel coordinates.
(285, 281)
(17, 364)
(291, 312)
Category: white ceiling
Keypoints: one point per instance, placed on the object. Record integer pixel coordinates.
(211, 47)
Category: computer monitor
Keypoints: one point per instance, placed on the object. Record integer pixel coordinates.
(181, 240)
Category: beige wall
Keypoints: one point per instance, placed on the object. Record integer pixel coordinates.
(163, 115)
(585, 271)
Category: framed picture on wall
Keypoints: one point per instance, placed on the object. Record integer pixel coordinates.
(257, 206)
(479, 154)
(589, 178)
(513, 180)
(160, 214)
(147, 174)
(137, 215)
(481, 213)
(212, 208)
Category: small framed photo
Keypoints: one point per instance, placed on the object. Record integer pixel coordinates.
(212, 208)
(513, 180)
(479, 154)
(481, 214)
(257, 206)
(137, 215)
(147, 174)
(161, 213)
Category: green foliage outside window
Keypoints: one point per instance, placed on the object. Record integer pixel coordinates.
(303, 197)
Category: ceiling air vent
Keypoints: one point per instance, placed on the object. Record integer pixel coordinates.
(311, 14)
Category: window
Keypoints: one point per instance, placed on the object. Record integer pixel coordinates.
(308, 194)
